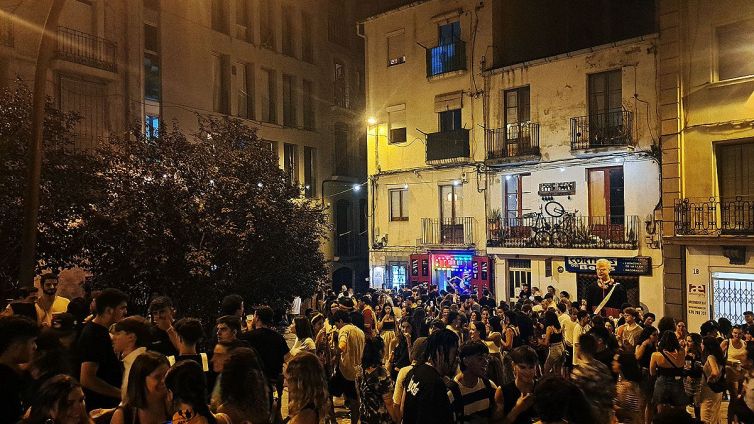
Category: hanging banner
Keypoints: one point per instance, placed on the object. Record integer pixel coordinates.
(640, 265)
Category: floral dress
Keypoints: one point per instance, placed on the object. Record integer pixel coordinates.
(373, 387)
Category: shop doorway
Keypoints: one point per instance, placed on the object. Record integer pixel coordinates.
(342, 277)
(732, 295)
(630, 282)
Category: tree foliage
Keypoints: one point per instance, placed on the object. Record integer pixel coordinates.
(192, 216)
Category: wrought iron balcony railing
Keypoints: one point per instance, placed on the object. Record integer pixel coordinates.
(448, 146)
(446, 58)
(341, 96)
(351, 244)
(86, 49)
(568, 231)
(601, 130)
(448, 231)
(520, 139)
(714, 216)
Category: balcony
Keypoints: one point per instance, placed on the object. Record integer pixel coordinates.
(714, 217)
(457, 231)
(448, 147)
(86, 49)
(601, 130)
(514, 141)
(446, 58)
(341, 96)
(568, 231)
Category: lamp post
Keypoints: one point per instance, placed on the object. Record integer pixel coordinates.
(31, 201)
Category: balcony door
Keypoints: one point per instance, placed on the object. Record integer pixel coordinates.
(735, 179)
(606, 202)
(517, 110)
(605, 108)
(451, 224)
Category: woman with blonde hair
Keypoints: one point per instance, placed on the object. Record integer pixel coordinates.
(307, 390)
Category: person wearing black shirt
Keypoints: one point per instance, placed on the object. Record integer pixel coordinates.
(598, 291)
(190, 332)
(425, 397)
(270, 345)
(517, 395)
(163, 335)
(17, 337)
(101, 372)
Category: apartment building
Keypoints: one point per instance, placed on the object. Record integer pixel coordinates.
(506, 149)
(292, 69)
(706, 82)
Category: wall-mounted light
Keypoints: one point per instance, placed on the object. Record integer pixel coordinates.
(405, 186)
(356, 187)
(562, 169)
(507, 177)
(456, 183)
(371, 120)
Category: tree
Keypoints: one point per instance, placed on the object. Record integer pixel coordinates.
(66, 188)
(200, 216)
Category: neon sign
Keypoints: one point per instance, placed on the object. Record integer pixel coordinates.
(452, 262)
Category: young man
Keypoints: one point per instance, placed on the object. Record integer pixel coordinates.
(271, 346)
(370, 320)
(130, 339)
(189, 332)
(594, 379)
(232, 304)
(581, 327)
(101, 374)
(17, 343)
(455, 324)
(164, 339)
(228, 328)
(475, 398)
(49, 303)
(425, 397)
(630, 331)
(517, 395)
(351, 341)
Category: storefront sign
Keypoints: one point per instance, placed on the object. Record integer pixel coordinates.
(557, 189)
(640, 265)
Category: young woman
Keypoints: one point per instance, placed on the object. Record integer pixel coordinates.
(667, 365)
(146, 394)
(681, 333)
(400, 357)
(375, 388)
(386, 326)
(307, 390)
(693, 381)
(187, 394)
(714, 381)
(553, 338)
(478, 332)
(646, 345)
(304, 336)
(734, 349)
(59, 400)
(245, 393)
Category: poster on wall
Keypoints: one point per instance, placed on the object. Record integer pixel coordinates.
(639, 265)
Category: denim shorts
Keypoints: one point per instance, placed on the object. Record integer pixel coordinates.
(670, 391)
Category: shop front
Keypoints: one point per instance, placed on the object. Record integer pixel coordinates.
(446, 269)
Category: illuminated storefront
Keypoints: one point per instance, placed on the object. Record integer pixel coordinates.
(446, 268)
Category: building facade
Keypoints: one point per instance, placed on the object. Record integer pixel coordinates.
(706, 81)
(490, 163)
(292, 69)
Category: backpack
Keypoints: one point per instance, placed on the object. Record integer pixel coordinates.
(457, 404)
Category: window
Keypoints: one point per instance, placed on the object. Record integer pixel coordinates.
(151, 126)
(341, 148)
(399, 205)
(219, 83)
(735, 57)
(397, 124)
(151, 39)
(269, 96)
(449, 33)
(89, 100)
(340, 93)
(397, 272)
(516, 106)
(308, 93)
(513, 199)
(606, 196)
(289, 101)
(267, 24)
(451, 200)
(396, 49)
(605, 94)
(310, 171)
(152, 78)
(450, 120)
(245, 91)
(243, 26)
(337, 22)
(307, 38)
(734, 172)
(290, 162)
(289, 31)
(220, 15)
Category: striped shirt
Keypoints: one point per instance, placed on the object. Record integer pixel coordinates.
(477, 407)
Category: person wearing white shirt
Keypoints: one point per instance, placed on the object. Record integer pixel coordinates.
(130, 339)
(581, 327)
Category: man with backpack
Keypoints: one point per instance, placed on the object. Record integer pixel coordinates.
(473, 396)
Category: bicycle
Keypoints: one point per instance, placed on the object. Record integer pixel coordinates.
(557, 234)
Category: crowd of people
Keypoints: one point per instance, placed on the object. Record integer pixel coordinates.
(414, 355)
